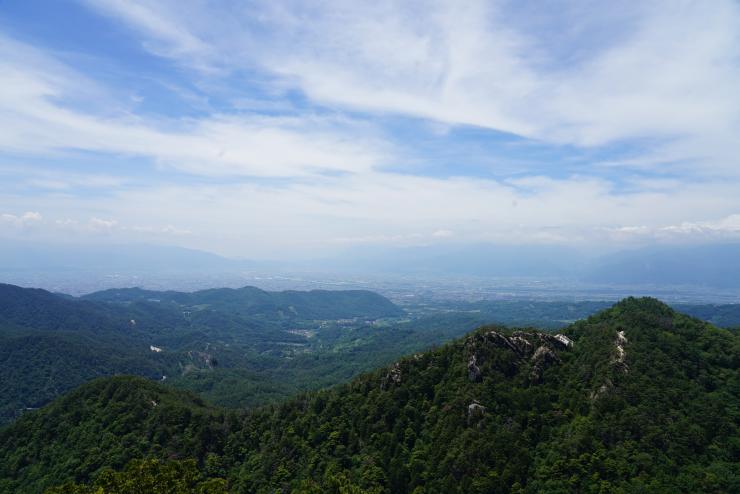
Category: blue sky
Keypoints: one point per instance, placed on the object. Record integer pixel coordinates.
(290, 129)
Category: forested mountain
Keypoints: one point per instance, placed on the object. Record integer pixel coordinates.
(638, 398)
(210, 341)
(706, 265)
(314, 304)
(37, 309)
(50, 344)
(236, 348)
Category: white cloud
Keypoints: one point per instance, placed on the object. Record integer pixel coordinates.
(101, 225)
(317, 217)
(93, 226)
(664, 73)
(664, 76)
(243, 144)
(729, 225)
(168, 230)
(727, 228)
(24, 220)
(174, 39)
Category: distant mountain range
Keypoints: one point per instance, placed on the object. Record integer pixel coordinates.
(19, 257)
(710, 266)
(703, 265)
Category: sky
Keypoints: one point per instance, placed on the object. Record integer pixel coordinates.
(285, 129)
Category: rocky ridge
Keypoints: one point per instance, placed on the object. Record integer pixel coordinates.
(537, 348)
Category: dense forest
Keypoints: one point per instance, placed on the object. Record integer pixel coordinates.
(637, 398)
(224, 347)
(238, 348)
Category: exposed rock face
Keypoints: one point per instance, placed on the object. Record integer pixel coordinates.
(517, 343)
(538, 348)
(476, 411)
(521, 345)
(564, 340)
(204, 357)
(392, 377)
(543, 357)
(474, 373)
(603, 389)
(619, 363)
(620, 360)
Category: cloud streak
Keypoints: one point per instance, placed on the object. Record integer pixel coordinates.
(35, 122)
(660, 72)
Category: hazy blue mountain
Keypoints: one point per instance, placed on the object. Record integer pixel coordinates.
(701, 265)
(712, 265)
(484, 260)
(18, 256)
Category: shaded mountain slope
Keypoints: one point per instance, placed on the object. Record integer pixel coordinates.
(637, 398)
(710, 265)
(37, 309)
(314, 304)
(106, 423)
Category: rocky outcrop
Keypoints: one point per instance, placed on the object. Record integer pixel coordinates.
(392, 377)
(201, 360)
(529, 346)
(474, 373)
(543, 357)
(603, 389)
(520, 343)
(476, 411)
(620, 361)
(563, 340)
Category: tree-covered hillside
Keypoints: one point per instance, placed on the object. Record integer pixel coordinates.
(50, 344)
(314, 304)
(637, 398)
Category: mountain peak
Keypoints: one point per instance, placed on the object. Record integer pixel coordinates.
(643, 304)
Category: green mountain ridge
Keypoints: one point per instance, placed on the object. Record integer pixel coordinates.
(638, 398)
(313, 304)
(50, 344)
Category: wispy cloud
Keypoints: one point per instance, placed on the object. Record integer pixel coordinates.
(36, 121)
(727, 228)
(21, 220)
(661, 71)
